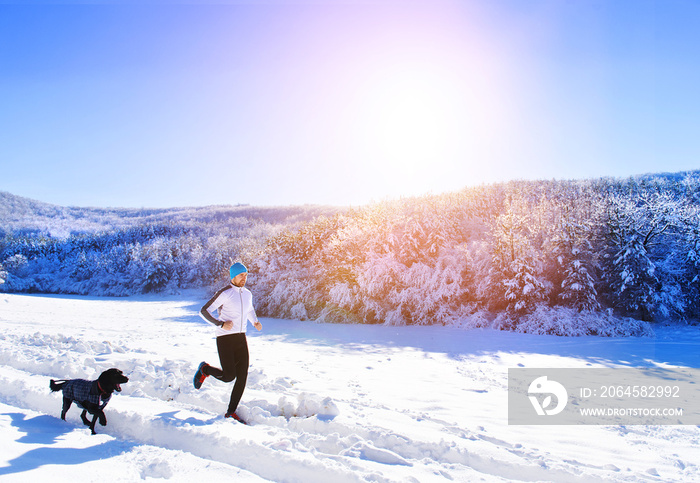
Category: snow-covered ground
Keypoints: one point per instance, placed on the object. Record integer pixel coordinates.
(326, 403)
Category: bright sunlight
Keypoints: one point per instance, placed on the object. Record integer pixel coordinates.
(415, 119)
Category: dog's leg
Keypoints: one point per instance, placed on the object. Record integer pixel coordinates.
(66, 406)
(92, 425)
(83, 416)
(103, 418)
(95, 412)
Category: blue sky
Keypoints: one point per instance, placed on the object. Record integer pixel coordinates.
(157, 104)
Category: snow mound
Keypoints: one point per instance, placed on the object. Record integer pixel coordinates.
(308, 405)
(563, 321)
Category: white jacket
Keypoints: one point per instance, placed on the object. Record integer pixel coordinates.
(234, 304)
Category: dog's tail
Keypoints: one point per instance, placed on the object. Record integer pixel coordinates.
(56, 385)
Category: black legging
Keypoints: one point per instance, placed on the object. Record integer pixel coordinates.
(233, 354)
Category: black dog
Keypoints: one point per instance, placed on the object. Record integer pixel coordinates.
(92, 396)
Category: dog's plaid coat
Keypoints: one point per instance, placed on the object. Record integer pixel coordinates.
(80, 390)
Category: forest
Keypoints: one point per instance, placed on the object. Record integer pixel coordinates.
(580, 257)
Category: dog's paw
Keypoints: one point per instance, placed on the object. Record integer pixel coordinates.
(103, 421)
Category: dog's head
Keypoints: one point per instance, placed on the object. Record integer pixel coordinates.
(111, 380)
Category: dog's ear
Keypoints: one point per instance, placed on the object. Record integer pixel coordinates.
(120, 377)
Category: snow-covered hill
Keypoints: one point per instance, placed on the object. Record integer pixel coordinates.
(326, 403)
(25, 215)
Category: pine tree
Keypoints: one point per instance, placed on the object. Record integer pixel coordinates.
(578, 287)
(635, 281)
(524, 289)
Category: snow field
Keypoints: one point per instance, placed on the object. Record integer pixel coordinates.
(325, 402)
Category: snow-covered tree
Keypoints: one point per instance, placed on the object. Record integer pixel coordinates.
(524, 289)
(636, 229)
(578, 287)
(634, 281)
(688, 253)
(515, 276)
(570, 254)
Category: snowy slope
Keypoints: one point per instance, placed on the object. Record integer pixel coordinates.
(326, 403)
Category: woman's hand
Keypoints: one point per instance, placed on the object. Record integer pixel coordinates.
(228, 325)
(258, 325)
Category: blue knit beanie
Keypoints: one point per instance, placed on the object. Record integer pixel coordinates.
(236, 269)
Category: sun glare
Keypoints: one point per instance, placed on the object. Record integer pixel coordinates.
(408, 120)
(416, 124)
